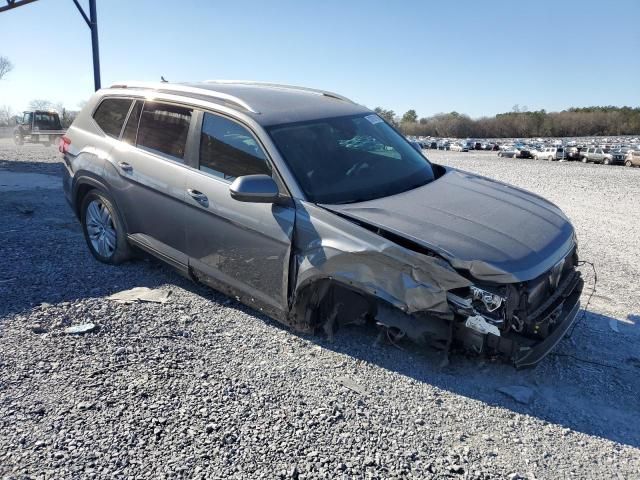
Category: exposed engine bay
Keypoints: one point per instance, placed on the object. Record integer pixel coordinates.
(512, 319)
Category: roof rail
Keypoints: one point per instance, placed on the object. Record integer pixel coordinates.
(281, 85)
(166, 87)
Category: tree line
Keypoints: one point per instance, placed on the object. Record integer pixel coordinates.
(574, 122)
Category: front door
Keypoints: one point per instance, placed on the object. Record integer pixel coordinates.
(238, 247)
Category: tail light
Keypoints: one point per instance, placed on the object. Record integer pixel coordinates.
(63, 146)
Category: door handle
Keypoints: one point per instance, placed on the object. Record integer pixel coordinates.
(125, 166)
(198, 196)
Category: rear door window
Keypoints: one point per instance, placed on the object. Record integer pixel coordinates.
(163, 129)
(110, 115)
(228, 150)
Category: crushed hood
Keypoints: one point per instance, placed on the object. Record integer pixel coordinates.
(494, 231)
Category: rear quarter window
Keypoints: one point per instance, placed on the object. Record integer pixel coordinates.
(110, 115)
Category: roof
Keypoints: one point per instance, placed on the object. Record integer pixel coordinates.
(268, 104)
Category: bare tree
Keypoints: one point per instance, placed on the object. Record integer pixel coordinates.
(40, 104)
(5, 115)
(5, 66)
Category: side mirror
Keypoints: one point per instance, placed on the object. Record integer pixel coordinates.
(254, 188)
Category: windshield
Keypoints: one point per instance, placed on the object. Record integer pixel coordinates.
(350, 159)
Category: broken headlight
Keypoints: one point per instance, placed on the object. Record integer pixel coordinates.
(491, 301)
(480, 301)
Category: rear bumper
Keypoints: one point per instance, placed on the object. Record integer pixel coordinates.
(67, 185)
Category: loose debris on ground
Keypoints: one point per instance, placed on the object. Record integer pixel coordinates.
(140, 294)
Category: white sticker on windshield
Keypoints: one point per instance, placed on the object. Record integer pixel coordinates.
(373, 118)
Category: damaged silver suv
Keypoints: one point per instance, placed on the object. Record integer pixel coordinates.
(313, 209)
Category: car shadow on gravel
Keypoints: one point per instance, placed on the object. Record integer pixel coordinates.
(581, 386)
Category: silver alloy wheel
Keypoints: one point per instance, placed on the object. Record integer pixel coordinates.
(100, 228)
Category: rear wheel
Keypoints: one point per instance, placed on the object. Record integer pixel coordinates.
(584, 159)
(606, 161)
(103, 228)
(535, 157)
(550, 159)
(18, 140)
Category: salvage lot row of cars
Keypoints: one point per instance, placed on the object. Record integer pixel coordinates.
(620, 152)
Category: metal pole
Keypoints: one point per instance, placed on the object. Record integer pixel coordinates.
(94, 43)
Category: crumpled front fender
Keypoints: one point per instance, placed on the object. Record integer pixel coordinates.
(327, 246)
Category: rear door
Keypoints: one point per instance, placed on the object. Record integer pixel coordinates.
(238, 247)
(598, 155)
(148, 173)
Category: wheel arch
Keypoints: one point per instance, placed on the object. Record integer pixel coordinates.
(83, 183)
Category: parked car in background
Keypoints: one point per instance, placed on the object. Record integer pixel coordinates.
(459, 147)
(573, 153)
(38, 126)
(619, 156)
(509, 151)
(524, 151)
(596, 155)
(548, 153)
(633, 159)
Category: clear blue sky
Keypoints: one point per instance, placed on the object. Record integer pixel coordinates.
(476, 57)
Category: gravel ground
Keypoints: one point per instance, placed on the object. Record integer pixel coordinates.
(202, 387)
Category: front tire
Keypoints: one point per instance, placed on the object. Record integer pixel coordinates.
(606, 161)
(535, 157)
(103, 228)
(628, 163)
(18, 140)
(584, 160)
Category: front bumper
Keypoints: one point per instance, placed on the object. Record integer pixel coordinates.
(531, 356)
(554, 316)
(525, 352)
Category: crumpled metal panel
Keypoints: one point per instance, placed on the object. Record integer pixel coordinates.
(328, 246)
